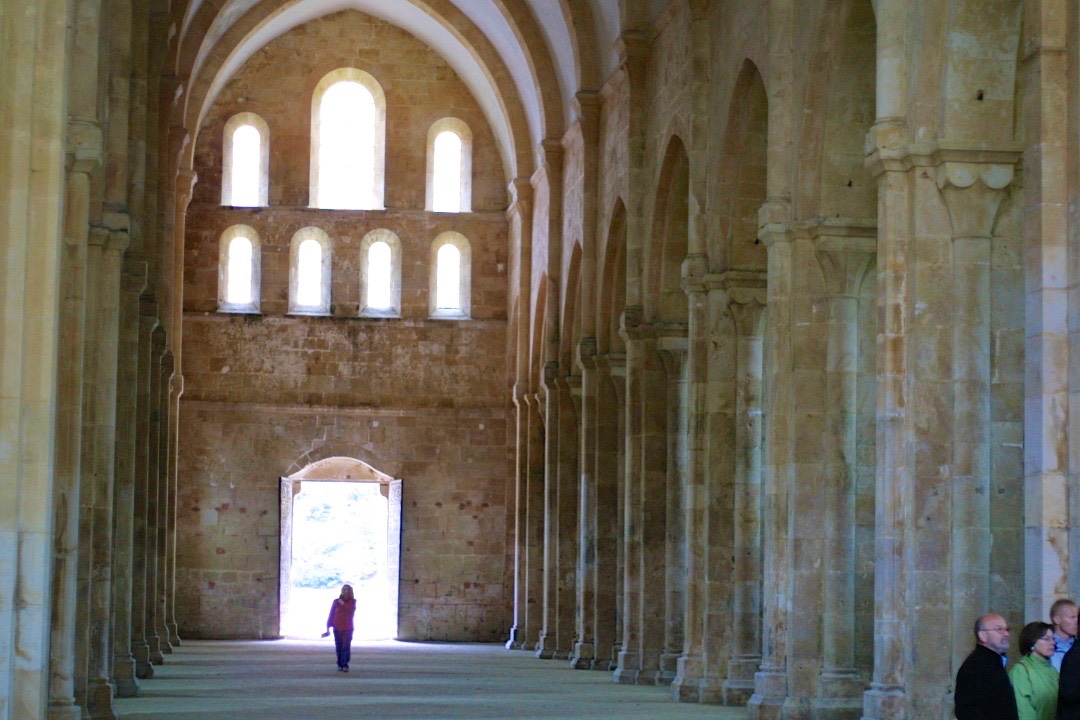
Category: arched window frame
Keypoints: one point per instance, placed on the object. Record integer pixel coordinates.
(379, 170)
(386, 236)
(464, 278)
(323, 307)
(459, 128)
(236, 121)
(224, 244)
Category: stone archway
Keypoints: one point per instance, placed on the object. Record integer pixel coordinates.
(342, 470)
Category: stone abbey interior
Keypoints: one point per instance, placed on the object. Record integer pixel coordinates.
(719, 345)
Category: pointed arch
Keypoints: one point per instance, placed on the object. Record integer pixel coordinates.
(613, 284)
(665, 300)
(742, 186)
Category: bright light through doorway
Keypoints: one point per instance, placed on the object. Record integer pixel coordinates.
(339, 536)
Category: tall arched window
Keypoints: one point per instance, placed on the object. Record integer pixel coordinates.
(348, 138)
(245, 161)
(380, 274)
(238, 270)
(451, 275)
(449, 167)
(309, 272)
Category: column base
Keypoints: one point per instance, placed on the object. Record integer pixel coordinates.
(513, 643)
(99, 695)
(174, 634)
(545, 647)
(686, 685)
(602, 664)
(582, 657)
(64, 710)
(840, 695)
(739, 684)
(669, 663)
(124, 675)
(767, 700)
(629, 668)
(884, 701)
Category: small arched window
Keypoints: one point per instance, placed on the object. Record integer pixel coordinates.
(238, 270)
(348, 121)
(451, 260)
(449, 167)
(380, 274)
(245, 161)
(309, 272)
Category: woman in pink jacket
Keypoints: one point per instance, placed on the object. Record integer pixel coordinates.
(341, 621)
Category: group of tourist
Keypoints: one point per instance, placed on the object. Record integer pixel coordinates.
(1043, 685)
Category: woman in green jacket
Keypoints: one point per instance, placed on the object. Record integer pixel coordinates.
(1034, 679)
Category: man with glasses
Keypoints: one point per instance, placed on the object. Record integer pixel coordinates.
(983, 690)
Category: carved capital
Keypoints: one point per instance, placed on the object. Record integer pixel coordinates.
(747, 307)
(185, 186)
(845, 249)
(521, 198)
(973, 193)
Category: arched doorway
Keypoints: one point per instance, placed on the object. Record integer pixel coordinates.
(340, 523)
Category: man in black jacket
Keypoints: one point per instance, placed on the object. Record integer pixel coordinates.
(1069, 685)
(983, 690)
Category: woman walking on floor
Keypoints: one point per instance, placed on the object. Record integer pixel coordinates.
(340, 621)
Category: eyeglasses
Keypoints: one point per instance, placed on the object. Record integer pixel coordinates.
(995, 629)
(1047, 638)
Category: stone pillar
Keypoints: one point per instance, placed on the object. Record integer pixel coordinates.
(176, 389)
(104, 260)
(568, 499)
(652, 502)
(153, 478)
(673, 358)
(83, 156)
(145, 362)
(844, 260)
(771, 680)
(1051, 536)
(745, 300)
(607, 474)
(584, 652)
(519, 215)
(888, 694)
(690, 667)
(630, 653)
(133, 283)
(545, 646)
(972, 190)
(534, 529)
(166, 435)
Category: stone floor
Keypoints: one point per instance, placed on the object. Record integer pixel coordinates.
(298, 680)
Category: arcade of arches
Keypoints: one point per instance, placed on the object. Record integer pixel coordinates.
(759, 384)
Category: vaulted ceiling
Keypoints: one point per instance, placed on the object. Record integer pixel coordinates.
(524, 60)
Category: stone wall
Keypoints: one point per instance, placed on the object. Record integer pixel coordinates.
(419, 399)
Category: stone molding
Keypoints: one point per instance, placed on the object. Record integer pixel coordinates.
(902, 158)
(85, 146)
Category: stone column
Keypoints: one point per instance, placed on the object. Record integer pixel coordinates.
(771, 680)
(83, 156)
(844, 259)
(690, 668)
(534, 529)
(584, 652)
(673, 358)
(606, 542)
(133, 284)
(545, 646)
(176, 389)
(104, 260)
(568, 499)
(166, 435)
(972, 188)
(1051, 432)
(153, 481)
(519, 215)
(745, 301)
(630, 653)
(141, 534)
